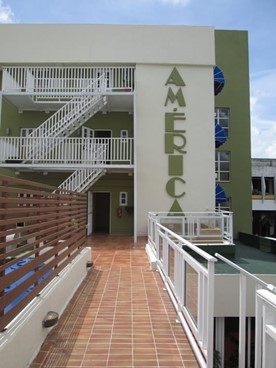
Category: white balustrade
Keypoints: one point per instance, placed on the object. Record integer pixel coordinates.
(190, 285)
(74, 113)
(81, 151)
(53, 82)
(265, 352)
(196, 226)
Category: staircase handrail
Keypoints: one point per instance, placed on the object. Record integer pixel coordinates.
(70, 109)
(78, 173)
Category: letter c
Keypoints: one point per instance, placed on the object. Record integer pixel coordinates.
(171, 187)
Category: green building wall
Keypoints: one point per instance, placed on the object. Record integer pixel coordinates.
(114, 184)
(232, 58)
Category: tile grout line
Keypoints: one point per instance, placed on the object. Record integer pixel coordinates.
(169, 320)
(150, 317)
(95, 319)
(98, 310)
(52, 356)
(115, 310)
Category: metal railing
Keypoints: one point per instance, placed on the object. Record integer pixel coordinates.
(58, 151)
(265, 314)
(74, 113)
(80, 180)
(199, 227)
(189, 277)
(42, 229)
(190, 285)
(50, 82)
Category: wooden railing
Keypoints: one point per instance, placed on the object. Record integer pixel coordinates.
(42, 229)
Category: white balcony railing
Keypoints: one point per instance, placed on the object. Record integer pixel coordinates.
(74, 113)
(198, 227)
(53, 81)
(191, 285)
(74, 151)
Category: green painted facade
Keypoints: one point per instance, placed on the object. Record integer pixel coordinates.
(112, 183)
(232, 58)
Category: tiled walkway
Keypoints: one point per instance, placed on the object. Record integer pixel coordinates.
(120, 317)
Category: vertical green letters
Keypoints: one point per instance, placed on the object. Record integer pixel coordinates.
(175, 138)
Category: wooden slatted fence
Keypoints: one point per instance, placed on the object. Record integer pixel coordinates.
(42, 229)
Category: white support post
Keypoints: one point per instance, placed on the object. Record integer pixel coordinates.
(242, 321)
(210, 314)
(0, 108)
(220, 338)
(248, 342)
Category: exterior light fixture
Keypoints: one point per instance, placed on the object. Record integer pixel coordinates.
(89, 264)
(50, 319)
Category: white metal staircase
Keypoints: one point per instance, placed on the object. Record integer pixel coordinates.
(82, 179)
(70, 117)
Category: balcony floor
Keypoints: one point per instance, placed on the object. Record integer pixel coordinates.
(121, 316)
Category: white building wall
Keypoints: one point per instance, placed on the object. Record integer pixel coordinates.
(155, 51)
(152, 161)
(105, 44)
(263, 205)
(227, 294)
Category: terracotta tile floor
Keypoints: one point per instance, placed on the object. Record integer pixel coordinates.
(121, 316)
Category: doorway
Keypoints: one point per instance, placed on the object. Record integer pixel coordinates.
(101, 212)
(102, 133)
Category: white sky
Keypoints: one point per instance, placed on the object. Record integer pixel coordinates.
(256, 16)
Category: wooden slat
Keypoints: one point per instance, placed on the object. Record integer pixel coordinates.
(46, 219)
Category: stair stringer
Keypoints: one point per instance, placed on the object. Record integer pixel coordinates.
(68, 118)
(80, 180)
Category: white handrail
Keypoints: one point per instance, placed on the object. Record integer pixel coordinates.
(46, 82)
(265, 340)
(81, 179)
(167, 247)
(64, 119)
(199, 226)
(66, 150)
(190, 285)
(265, 298)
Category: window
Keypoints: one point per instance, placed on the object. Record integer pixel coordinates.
(124, 136)
(24, 132)
(225, 206)
(262, 185)
(269, 185)
(257, 186)
(222, 118)
(123, 198)
(24, 195)
(222, 166)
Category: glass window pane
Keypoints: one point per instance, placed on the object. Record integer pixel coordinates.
(222, 166)
(191, 292)
(171, 264)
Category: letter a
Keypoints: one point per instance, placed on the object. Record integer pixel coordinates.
(175, 78)
(175, 209)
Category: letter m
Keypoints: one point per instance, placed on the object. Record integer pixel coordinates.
(171, 96)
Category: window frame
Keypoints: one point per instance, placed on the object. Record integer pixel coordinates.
(123, 199)
(219, 120)
(218, 166)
